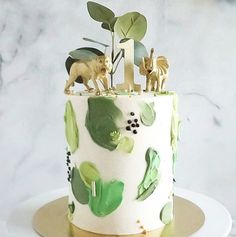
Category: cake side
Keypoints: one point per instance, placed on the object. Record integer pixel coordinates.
(127, 181)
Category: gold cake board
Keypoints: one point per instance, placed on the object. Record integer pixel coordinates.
(51, 221)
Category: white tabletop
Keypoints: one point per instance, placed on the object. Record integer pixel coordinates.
(218, 221)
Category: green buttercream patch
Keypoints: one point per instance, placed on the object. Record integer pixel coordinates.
(71, 129)
(126, 144)
(108, 197)
(101, 120)
(152, 177)
(166, 214)
(147, 114)
(79, 189)
(89, 173)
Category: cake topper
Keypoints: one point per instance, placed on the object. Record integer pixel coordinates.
(91, 64)
(156, 72)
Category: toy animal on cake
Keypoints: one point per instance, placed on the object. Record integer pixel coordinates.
(156, 72)
(82, 71)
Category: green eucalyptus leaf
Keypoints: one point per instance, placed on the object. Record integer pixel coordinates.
(126, 144)
(79, 189)
(108, 197)
(152, 177)
(100, 13)
(89, 173)
(148, 114)
(101, 121)
(95, 41)
(71, 129)
(166, 214)
(85, 53)
(109, 26)
(131, 25)
(140, 51)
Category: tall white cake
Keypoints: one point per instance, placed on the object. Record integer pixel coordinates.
(121, 166)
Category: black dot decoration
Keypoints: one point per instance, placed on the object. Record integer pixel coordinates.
(68, 163)
(133, 124)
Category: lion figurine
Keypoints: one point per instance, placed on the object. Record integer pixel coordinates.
(156, 72)
(82, 71)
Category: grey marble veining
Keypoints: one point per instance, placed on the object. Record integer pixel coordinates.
(198, 37)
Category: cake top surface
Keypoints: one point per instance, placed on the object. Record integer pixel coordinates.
(96, 67)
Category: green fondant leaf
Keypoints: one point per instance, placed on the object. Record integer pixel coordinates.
(140, 51)
(126, 144)
(132, 25)
(151, 177)
(166, 214)
(101, 120)
(71, 207)
(89, 173)
(79, 189)
(99, 12)
(85, 53)
(108, 197)
(148, 114)
(71, 129)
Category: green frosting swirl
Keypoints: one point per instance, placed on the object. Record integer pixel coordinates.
(71, 129)
(147, 114)
(151, 177)
(101, 120)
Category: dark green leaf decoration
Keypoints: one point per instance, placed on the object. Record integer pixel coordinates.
(110, 26)
(100, 13)
(89, 173)
(108, 197)
(71, 129)
(79, 189)
(166, 214)
(140, 51)
(101, 121)
(147, 114)
(85, 53)
(95, 41)
(71, 207)
(151, 177)
(132, 25)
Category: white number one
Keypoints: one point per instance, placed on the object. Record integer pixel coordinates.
(128, 84)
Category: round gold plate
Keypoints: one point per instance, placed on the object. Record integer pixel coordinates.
(51, 221)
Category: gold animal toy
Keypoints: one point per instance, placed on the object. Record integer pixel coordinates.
(156, 72)
(95, 69)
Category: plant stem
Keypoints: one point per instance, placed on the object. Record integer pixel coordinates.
(118, 63)
(112, 56)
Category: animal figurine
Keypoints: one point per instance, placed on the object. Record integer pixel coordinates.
(82, 71)
(156, 72)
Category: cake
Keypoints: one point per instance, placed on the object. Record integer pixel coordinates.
(122, 141)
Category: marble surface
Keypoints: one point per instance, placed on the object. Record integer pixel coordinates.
(198, 37)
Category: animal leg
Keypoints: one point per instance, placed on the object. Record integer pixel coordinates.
(105, 83)
(98, 92)
(163, 84)
(148, 83)
(159, 83)
(70, 82)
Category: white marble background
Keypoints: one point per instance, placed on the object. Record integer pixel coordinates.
(198, 37)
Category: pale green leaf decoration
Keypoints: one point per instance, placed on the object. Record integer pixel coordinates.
(79, 189)
(152, 176)
(166, 214)
(101, 121)
(132, 25)
(71, 129)
(126, 144)
(108, 197)
(85, 53)
(89, 173)
(140, 51)
(100, 13)
(147, 114)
